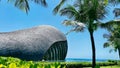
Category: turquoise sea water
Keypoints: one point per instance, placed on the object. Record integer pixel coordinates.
(83, 60)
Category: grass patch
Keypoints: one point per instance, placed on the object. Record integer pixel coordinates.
(116, 66)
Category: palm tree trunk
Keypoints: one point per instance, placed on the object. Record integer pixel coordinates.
(93, 50)
(119, 52)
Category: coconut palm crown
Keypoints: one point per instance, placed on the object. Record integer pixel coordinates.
(113, 38)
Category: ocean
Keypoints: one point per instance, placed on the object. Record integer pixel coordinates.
(83, 60)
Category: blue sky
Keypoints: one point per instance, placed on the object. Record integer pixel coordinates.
(79, 45)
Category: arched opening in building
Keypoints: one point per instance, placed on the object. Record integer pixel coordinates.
(57, 51)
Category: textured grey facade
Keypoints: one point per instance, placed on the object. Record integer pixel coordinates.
(37, 43)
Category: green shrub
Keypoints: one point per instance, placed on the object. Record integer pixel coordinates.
(9, 62)
(97, 66)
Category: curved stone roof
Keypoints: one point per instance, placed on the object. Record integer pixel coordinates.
(32, 42)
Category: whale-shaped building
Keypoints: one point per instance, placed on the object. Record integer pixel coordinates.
(37, 43)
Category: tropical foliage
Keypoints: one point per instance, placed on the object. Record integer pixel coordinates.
(9, 62)
(113, 38)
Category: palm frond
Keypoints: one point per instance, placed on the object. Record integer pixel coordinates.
(109, 25)
(106, 45)
(111, 50)
(73, 23)
(56, 9)
(76, 26)
(42, 2)
(114, 2)
(69, 23)
(106, 36)
(101, 11)
(23, 5)
(78, 3)
(76, 29)
(116, 12)
(69, 11)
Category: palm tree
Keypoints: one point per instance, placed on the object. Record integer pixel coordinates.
(88, 12)
(113, 38)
